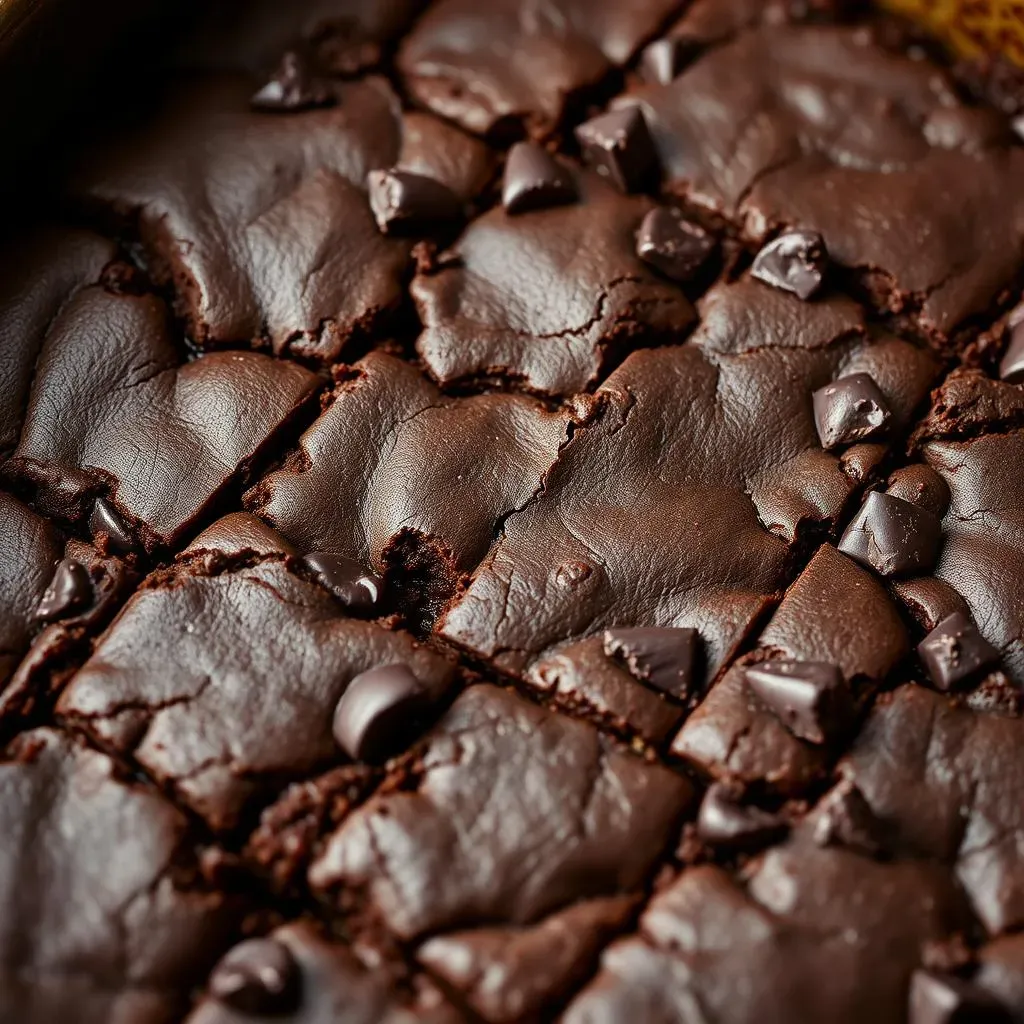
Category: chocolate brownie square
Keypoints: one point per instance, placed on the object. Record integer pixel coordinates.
(262, 655)
(105, 917)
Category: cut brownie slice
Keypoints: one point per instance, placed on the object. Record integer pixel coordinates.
(99, 924)
(797, 943)
(505, 814)
(40, 273)
(298, 975)
(393, 465)
(261, 658)
(945, 782)
(835, 613)
(267, 234)
(506, 66)
(702, 478)
(546, 297)
(115, 413)
(827, 131)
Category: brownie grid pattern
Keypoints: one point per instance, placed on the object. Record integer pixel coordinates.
(585, 507)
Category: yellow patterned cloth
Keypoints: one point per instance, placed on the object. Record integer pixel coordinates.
(971, 26)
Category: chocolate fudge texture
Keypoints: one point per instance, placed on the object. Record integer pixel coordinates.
(513, 512)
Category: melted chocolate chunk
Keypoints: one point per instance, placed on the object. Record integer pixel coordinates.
(664, 657)
(534, 179)
(844, 818)
(849, 410)
(374, 716)
(360, 591)
(69, 590)
(618, 146)
(673, 245)
(794, 262)
(810, 697)
(404, 203)
(664, 59)
(725, 821)
(892, 536)
(258, 976)
(944, 999)
(954, 652)
(1011, 366)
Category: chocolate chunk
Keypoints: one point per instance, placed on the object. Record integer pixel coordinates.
(404, 203)
(258, 976)
(105, 521)
(662, 657)
(850, 409)
(673, 245)
(361, 592)
(664, 59)
(844, 818)
(723, 821)
(954, 651)
(69, 590)
(1011, 366)
(293, 87)
(892, 536)
(618, 146)
(534, 179)
(943, 999)
(810, 697)
(375, 713)
(794, 262)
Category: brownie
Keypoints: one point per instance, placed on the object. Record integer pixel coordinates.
(797, 941)
(508, 813)
(324, 982)
(824, 113)
(505, 66)
(546, 297)
(262, 656)
(509, 514)
(260, 219)
(82, 941)
(116, 412)
(621, 535)
(422, 470)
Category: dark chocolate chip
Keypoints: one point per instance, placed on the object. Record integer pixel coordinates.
(105, 521)
(661, 657)
(844, 818)
(794, 262)
(293, 87)
(943, 999)
(361, 592)
(376, 713)
(534, 179)
(69, 590)
(892, 536)
(618, 145)
(954, 652)
(404, 203)
(673, 245)
(258, 976)
(1011, 366)
(725, 822)
(850, 409)
(664, 59)
(810, 698)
